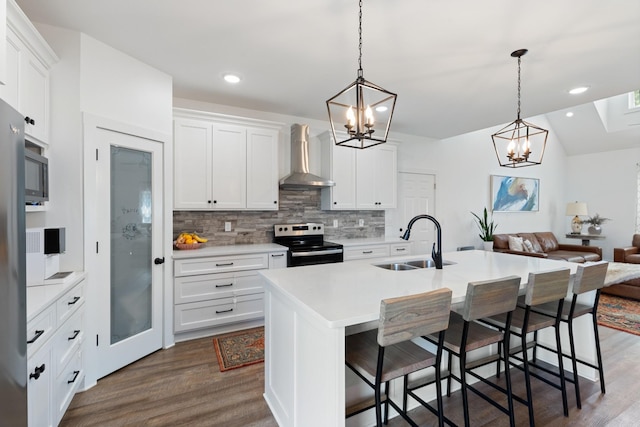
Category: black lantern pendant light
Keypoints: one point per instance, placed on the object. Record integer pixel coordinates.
(520, 143)
(363, 110)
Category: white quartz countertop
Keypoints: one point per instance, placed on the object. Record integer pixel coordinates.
(349, 293)
(40, 297)
(228, 250)
(367, 241)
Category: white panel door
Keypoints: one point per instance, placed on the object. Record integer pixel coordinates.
(229, 167)
(416, 196)
(262, 169)
(129, 221)
(192, 165)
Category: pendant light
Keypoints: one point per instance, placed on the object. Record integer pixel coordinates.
(520, 143)
(363, 110)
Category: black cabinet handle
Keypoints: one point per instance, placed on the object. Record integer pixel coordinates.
(75, 300)
(29, 120)
(224, 286)
(215, 201)
(36, 336)
(367, 252)
(37, 371)
(335, 203)
(158, 261)
(208, 201)
(276, 255)
(75, 335)
(75, 376)
(224, 265)
(275, 202)
(224, 311)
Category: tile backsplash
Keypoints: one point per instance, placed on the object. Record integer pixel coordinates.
(296, 206)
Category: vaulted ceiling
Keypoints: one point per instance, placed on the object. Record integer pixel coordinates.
(448, 61)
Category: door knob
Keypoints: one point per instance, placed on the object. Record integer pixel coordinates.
(158, 261)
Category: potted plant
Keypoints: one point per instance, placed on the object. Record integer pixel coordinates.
(595, 222)
(486, 227)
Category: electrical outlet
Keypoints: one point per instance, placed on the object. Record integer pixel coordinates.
(335, 223)
(227, 226)
(361, 222)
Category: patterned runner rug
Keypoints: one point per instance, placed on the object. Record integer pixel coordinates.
(619, 313)
(241, 348)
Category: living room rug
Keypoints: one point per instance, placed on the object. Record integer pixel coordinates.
(241, 348)
(619, 313)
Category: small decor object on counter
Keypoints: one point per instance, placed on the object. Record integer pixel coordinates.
(486, 229)
(189, 241)
(595, 222)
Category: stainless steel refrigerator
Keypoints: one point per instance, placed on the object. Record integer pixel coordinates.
(13, 289)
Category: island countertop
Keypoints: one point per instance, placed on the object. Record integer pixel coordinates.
(345, 294)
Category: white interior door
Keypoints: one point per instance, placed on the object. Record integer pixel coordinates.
(416, 196)
(129, 232)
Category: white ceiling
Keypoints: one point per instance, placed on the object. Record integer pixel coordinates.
(448, 61)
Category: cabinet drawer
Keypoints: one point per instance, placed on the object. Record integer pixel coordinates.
(205, 314)
(39, 388)
(362, 252)
(68, 339)
(212, 286)
(400, 249)
(40, 329)
(66, 384)
(221, 264)
(70, 302)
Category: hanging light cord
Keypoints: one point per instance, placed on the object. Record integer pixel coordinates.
(360, 40)
(519, 59)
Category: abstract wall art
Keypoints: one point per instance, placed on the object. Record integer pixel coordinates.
(514, 194)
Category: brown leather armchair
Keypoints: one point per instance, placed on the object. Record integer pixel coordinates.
(631, 255)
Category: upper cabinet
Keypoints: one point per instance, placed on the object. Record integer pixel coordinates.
(224, 163)
(365, 179)
(28, 61)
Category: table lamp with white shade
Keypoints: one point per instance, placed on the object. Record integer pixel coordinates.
(576, 209)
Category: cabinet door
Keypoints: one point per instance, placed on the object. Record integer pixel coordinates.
(229, 167)
(278, 260)
(192, 175)
(9, 91)
(39, 388)
(34, 96)
(386, 178)
(262, 169)
(339, 165)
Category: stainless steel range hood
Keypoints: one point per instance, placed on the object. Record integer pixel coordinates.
(300, 178)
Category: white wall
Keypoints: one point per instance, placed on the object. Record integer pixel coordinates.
(607, 183)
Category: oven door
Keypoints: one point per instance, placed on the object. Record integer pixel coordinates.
(299, 257)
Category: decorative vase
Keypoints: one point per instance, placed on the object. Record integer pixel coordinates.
(488, 246)
(595, 229)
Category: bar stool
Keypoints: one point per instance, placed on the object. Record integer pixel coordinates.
(483, 299)
(549, 287)
(587, 278)
(379, 356)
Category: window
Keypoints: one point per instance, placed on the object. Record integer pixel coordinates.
(634, 99)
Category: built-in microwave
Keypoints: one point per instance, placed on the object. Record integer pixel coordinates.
(36, 178)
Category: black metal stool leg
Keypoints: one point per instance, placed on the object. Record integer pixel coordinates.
(574, 364)
(598, 353)
(563, 384)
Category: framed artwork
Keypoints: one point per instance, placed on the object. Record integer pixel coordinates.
(514, 194)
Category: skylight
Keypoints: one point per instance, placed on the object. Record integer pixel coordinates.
(634, 99)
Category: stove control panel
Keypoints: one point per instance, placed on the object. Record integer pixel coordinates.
(282, 230)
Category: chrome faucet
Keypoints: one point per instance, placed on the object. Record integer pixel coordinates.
(436, 255)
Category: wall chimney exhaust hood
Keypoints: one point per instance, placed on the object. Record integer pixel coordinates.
(300, 178)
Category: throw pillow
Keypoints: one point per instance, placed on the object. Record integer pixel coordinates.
(528, 246)
(515, 243)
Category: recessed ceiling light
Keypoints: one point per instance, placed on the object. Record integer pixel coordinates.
(569, 114)
(231, 78)
(381, 109)
(578, 90)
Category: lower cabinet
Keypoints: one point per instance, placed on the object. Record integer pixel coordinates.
(376, 250)
(54, 357)
(220, 292)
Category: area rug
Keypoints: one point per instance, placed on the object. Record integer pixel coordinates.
(238, 349)
(619, 313)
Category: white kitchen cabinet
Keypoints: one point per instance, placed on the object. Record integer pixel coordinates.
(378, 249)
(28, 61)
(220, 293)
(365, 179)
(400, 249)
(54, 351)
(223, 163)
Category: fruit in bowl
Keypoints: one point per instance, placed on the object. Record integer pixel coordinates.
(189, 241)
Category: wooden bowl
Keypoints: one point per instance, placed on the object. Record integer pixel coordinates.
(186, 246)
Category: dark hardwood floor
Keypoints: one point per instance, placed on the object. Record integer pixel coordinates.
(183, 386)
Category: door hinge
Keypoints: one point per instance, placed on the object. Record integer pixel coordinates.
(97, 251)
(97, 342)
(96, 154)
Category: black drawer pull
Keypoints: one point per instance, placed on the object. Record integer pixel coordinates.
(36, 336)
(277, 255)
(400, 249)
(367, 252)
(75, 376)
(224, 265)
(37, 371)
(225, 285)
(75, 300)
(224, 311)
(76, 332)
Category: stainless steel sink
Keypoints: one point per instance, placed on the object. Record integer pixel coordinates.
(396, 266)
(411, 265)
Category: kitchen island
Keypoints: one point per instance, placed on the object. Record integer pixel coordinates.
(309, 310)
